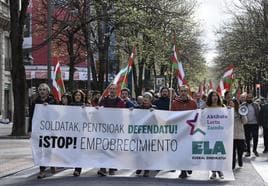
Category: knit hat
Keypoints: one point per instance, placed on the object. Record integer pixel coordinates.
(148, 94)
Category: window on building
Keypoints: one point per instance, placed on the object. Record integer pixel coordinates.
(60, 3)
(27, 26)
(7, 53)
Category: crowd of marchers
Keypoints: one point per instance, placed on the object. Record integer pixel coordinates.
(246, 126)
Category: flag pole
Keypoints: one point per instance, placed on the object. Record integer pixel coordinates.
(170, 89)
(102, 95)
(172, 72)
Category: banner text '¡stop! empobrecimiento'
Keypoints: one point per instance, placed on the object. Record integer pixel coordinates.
(140, 145)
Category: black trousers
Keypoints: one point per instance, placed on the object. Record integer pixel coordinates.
(238, 150)
(42, 168)
(265, 138)
(251, 131)
(78, 169)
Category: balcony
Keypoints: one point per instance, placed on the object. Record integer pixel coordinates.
(4, 16)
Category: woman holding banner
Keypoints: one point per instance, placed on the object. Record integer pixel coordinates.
(78, 100)
(146, 104)
(214, 100)
(66, 99)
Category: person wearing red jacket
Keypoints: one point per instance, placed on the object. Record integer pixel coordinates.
(181, 103)
(112, 100)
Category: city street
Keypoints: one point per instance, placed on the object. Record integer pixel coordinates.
(125, 84)
(17, 168)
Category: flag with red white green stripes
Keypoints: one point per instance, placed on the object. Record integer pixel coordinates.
(58, 88)
(178, 68)
(121, 79)
(228, 77)
(220, 88)
(227, 80)
(211, 86)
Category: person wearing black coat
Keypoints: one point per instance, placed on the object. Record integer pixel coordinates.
(43, 97)
(78, 98)
(125, 94)
(263, 118)
(163, 102)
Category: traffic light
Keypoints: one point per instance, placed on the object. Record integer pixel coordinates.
(258, 90)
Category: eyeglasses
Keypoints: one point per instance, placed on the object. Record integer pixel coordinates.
(42, 89)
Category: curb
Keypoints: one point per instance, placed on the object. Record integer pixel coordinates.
(15, 172)
(14, 137)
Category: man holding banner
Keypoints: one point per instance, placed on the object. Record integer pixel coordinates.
(42, 98)
(125, 94)
(70, 136)
(162, 103)
(111, 101)
(181, 103)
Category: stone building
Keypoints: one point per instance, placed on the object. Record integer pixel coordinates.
(6, 98)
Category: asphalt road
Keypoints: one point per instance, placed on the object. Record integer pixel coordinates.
(17, 168)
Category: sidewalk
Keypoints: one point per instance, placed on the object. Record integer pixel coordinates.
(15, 153)
(5, 129)
(5, 132)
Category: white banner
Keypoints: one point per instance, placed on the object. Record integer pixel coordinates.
(72, 136)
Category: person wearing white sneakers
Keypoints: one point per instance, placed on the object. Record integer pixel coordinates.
(214, 100)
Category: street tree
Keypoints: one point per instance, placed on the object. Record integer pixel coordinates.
(243, 43)
(149, 26)
(17, 18)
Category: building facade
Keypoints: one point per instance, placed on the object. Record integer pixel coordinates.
(36, 60)
(36, 57)
(6, 98)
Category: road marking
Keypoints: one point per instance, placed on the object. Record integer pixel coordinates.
(92, 172)
(125, 173)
